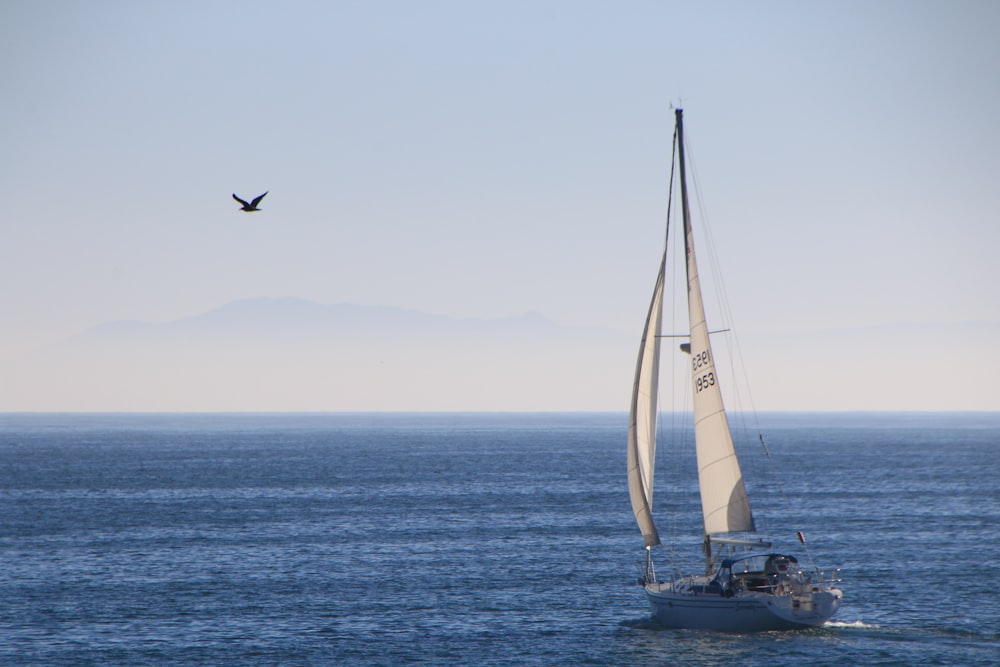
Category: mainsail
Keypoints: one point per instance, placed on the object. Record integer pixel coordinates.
(724, 503)
(642, 417)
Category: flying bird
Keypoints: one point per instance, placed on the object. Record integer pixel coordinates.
(252, 206)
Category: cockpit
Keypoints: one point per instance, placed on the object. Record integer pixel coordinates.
(755, 572)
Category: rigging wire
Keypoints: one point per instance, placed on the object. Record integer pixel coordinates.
(670, 439)
(678, 436)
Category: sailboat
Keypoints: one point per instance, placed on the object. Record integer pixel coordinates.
(745, 587)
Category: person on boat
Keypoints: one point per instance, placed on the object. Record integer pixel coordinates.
(777, 568)
(724, 583)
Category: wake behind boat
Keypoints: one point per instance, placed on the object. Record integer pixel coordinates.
(746, 587)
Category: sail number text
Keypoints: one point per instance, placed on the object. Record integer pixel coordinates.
(699, 360)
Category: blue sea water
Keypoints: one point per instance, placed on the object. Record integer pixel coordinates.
(468, 539)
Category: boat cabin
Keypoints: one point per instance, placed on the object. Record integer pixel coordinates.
(753, 572)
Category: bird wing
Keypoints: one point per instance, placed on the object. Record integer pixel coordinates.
(240, 200)
(256, 200)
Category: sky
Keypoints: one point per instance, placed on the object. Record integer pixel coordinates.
(490, 159)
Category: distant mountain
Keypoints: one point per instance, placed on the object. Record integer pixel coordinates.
(298, 320)
(294, 354)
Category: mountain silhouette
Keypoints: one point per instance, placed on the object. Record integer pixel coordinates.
(287, 354)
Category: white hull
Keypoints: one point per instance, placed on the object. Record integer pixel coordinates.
(744, 612)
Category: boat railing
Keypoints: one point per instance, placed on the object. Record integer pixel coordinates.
(687, 585)
(824, 580)
(797, 582)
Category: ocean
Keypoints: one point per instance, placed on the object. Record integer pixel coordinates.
(470, 539)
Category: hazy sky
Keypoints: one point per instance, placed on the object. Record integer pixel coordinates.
(485, 159)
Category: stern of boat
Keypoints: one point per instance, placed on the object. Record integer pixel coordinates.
(809, 608)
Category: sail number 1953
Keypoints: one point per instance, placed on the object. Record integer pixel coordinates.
(699, 360)
(704, 382)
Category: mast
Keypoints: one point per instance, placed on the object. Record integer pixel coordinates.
(642, 410)
(724, 504)
(685, 214)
